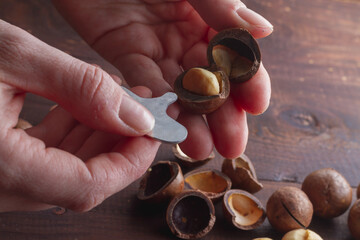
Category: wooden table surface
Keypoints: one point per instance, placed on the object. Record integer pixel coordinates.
(313, 58)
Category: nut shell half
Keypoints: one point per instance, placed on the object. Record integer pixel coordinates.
(329, 192)
(242, 173)
(190, 215)
(289, 208)
(161, 182)
(199, 103)
(243, 209)
(188, 162)
(244, 44)
(212, 183)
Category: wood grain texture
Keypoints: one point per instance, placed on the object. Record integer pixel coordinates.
(313, 58)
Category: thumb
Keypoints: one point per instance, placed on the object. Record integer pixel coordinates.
(222, 14)
(86, 91)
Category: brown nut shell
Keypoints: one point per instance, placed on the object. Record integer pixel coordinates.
(188, 162)
(161, 182)
(289, 208)
(244, 44)
(212, 183)
(358, 191)
(329, 192)
(190, 215)
(354, 220)
(242, 173)
(198, 103)
(243, 209)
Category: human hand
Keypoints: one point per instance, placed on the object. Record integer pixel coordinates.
(82, 152)
(150, 41)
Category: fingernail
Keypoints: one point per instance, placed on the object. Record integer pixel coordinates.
(254, 19)
(135, 115)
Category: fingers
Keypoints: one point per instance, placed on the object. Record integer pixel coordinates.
(86, 91)
(254, 95)
(229, 129)
(222, 14)
(55, 177)
(198, 144)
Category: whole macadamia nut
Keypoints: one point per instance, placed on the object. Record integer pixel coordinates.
(328, 191)
(289, 208)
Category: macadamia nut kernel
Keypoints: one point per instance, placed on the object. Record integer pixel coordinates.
(301, 234)
(202, 82)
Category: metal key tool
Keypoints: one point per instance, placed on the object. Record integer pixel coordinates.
(166, 129)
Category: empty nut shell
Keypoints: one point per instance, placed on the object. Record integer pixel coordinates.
(244, 55)
(188, 162)
(242, 174)
(212, 183)
(243, 210)
(354, 220)
(329, 192)
(161, 182)
(190, 215)
(289, 208)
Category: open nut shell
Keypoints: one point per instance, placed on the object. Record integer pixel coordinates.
(244, 44)
(242, 174)
(212, 183)
(188, 162)
(243, 209)
(190, 215)
(161, 182)
(198, 103)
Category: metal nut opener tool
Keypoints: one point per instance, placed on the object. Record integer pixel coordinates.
(166, 129)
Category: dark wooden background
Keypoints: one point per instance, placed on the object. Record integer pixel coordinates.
(313, 121)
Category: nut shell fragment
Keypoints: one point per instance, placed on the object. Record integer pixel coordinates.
(289, 208)
(188, 162)
(212, 183)
(161, 182)
(243, 210)
(190, 215)
(329, 192)
(242, 174)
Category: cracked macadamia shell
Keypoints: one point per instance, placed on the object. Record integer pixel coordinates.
(243, 209)
(247, 59)
(242, 174)
(329, 192)
(199, 103)
(188, 162)
(212, 183)
(190, 215)
(161, 182)
(289, 208)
